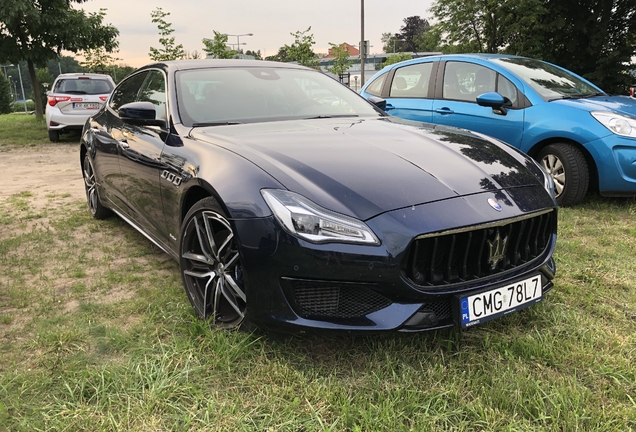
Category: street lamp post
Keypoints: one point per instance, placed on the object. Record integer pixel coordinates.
(22, 87)
(362, 53)
(238, 39)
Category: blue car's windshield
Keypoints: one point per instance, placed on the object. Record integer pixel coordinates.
(549, 81)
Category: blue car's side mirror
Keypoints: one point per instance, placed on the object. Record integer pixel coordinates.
(495, 101)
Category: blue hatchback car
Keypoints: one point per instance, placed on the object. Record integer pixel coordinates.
(583, 137)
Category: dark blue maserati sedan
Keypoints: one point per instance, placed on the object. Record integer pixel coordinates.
(292, 203)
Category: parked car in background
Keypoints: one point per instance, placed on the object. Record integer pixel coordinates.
(73, 98)
(582, 136)
(291, 202)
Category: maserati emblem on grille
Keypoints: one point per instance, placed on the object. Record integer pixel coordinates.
(497, 250)
(494, 204)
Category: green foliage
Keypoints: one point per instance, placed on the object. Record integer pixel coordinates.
(217, 47)
(341, 60)
(19, 106)
(43, 77)
(98, 60)
(396, 58)
(301, 50)
(169, 50)
(5, 95)
(37, 31)
(409, 37)
(257, 54)
(595, 39)
(281, 56)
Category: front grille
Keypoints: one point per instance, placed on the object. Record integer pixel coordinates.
(466, 255)
(322, 299)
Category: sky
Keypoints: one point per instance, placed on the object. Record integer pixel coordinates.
(271, 22)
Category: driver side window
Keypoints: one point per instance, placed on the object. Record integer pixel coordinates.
(127, 91)
(465, 81)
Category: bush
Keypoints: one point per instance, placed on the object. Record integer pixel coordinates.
(19, 106)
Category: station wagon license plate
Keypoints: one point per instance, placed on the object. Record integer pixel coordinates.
(86, 105)
(487, 305)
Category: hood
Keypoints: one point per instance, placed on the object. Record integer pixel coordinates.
(362, 168)
(619, 104)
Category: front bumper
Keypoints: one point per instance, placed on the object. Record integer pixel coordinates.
(615, 159)
(296, 286)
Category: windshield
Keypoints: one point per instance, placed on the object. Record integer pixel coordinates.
(246, 95)
(549, 81)
(84, 85)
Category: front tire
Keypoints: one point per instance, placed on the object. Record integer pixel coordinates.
(211, 266)
(90, 185)
(568, 168)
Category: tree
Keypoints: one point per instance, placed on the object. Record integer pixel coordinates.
(194, 55)
(281, 56)
(396, 58)
(407, 40)
(341, 60)
(300, 51)
(43, 77)
(593, 38)
(257, 54)
(5, 95)
(217, 47)
(38, 31)
(98, 60)
(169, 50)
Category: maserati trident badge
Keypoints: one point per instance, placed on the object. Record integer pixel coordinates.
(497, 250)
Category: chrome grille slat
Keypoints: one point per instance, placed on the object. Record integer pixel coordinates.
(460, 256)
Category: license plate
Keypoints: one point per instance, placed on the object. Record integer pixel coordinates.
(485, 306)
(86, 105)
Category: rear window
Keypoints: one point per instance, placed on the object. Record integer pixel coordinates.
(88, 86)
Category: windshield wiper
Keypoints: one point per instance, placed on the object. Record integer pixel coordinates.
(225, 123)
(331, 116)
(583, 96)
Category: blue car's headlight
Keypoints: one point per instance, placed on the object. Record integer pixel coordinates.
(616, 123)
(305, 219)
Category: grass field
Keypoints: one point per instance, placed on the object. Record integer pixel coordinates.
(96, 333)
(22, 130)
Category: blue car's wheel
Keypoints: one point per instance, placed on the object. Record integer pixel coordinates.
(569, 171)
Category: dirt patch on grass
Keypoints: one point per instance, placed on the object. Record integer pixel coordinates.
(48, 169)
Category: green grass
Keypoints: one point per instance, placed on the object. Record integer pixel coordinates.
(96, 333)
(22, 130)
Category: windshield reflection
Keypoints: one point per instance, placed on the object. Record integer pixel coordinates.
(549, 81)
(214, 96)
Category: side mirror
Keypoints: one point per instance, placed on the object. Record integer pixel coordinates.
(140, 114)
(495, 101)
(378, 102)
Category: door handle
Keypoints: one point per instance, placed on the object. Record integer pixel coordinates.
(444, 111)
(124, 144)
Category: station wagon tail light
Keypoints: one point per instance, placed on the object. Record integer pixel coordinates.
(53, 100)
(616, 123)
(307, 220)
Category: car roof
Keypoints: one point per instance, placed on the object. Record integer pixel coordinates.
(220, 63)
(83, 74)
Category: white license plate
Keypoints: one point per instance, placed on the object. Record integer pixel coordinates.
(487, 305)
(86, 105)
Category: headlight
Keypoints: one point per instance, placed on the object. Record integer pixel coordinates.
(618, 124)
(304, 219)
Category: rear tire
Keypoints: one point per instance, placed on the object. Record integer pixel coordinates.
(54, 135)
(568, 168)
(90, 185)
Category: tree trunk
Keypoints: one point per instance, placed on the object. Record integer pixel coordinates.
(35, 85)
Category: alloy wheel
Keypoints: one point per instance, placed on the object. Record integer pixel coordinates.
(211, 269)
(556, 170)
(90, 186)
